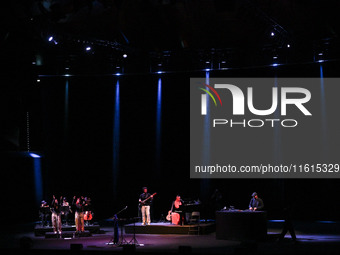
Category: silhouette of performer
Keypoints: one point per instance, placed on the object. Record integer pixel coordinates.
(288, 225)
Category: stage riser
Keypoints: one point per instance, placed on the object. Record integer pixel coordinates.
(68, 234)
(41, 231)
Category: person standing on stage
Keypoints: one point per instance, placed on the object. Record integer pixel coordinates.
(56, 215)
(256, 203)
(78, 205)
(145, 199)
(44, 213)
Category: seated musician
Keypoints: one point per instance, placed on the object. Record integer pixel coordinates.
(177, 216)
(65, 210)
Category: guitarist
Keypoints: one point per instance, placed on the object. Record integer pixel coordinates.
(145, 200)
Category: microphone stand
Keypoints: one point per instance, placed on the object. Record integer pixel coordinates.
(115, 237)
(134, 240)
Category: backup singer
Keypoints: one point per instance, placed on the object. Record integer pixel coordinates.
(145, 200)
(256, 203)
(56, 215)
(78, 204)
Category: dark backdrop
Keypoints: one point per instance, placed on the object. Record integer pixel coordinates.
(77, 148)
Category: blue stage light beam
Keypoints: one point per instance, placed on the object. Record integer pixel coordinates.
(205, 183)
(66, 110)
(159, 116)
(324, 127)
(277, 131)
(158, 127)
(116, 135)
(38, 183)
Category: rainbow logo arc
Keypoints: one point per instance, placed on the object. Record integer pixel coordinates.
(211, 95)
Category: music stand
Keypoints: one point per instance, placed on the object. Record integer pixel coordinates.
(65, 210)
(122, 241)
(134, 240)
(44, 213)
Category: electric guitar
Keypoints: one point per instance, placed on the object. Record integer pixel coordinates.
(143, 202)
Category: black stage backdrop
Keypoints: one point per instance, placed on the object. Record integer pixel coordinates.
(75, 138)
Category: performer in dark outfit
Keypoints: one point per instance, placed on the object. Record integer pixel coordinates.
(256, 203)
(145, 205)
(56, 215)
(78, 204)
(44, 212)
(288, 225)
(177, 216)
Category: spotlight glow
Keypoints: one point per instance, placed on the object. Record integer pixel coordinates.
(272, 34)
(124, 55)
(33, 155)
(50, 39)
(88, 48)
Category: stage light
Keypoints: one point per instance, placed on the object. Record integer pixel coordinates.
(275, 65)
(38, 80)
(288, 45)
(88, 48)
(272, 34)
(116, 140)
(33, 155)
(118, 74)
(50, 39)
(124, 55)
(159, 72)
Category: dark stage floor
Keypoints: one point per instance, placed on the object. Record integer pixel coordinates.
(313, 238)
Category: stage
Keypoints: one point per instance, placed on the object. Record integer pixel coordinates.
(168, 228)
(313, 238)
